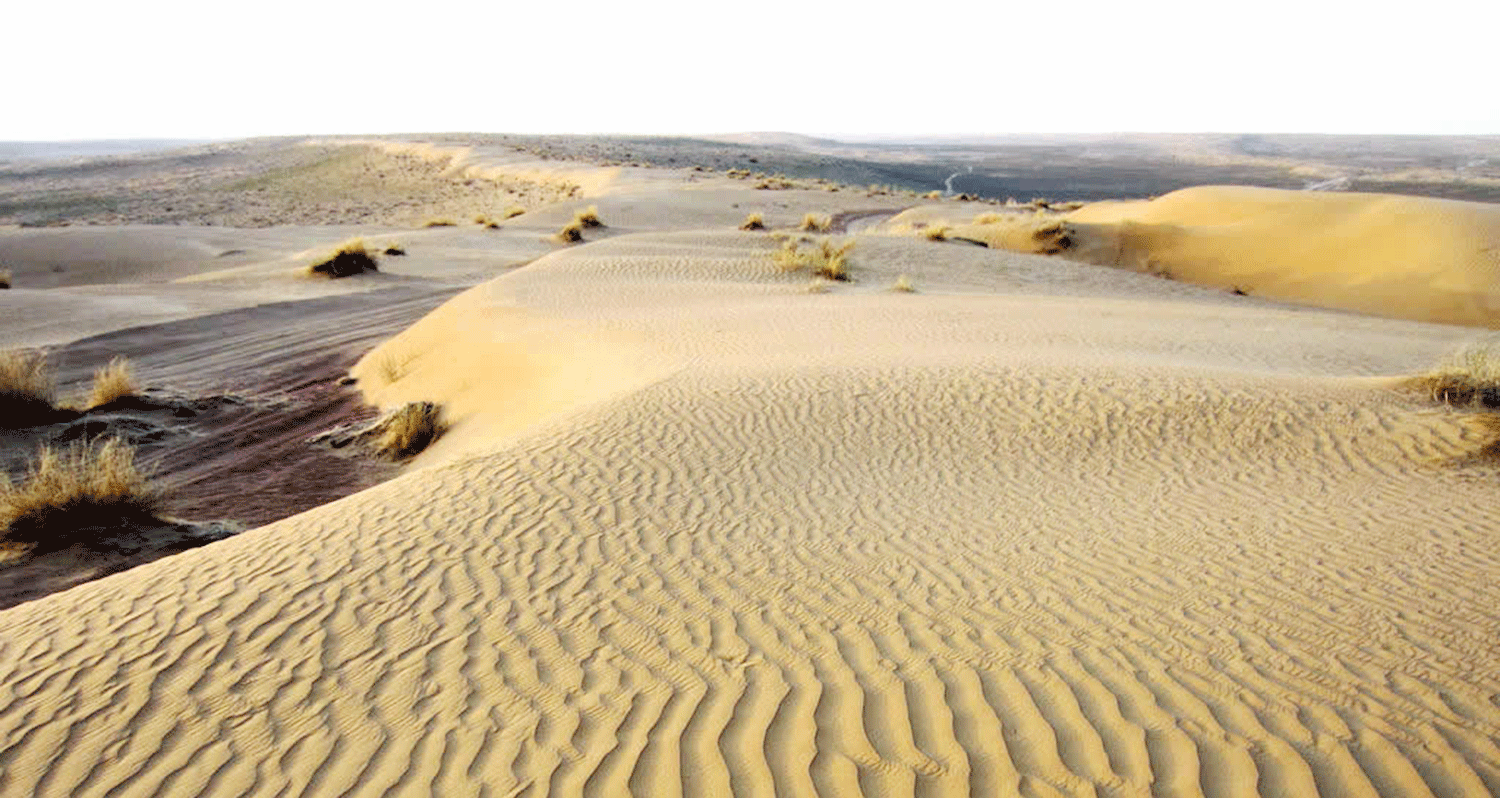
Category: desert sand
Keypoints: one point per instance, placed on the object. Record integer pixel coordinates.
(703, 527)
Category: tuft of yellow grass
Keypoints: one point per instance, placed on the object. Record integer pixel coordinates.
(822, 257)
(1466, 377)
(409, 429)
(27, 386)
(5, 278)
(571, 233)
(989, 218)
(438, 223)
(903, 285)
(512, 212)
(351, 258)
(813, 223)
(754, 221)
(111, 382)
(934, 194)
(588, 217)
(65, 492)
(935, 232)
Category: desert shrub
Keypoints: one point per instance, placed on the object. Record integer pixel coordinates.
(394, 249)
(935, 232)
(588, 217)
(989, 218)
(903, 285)
(571, 233)
(512, 212)
(813, 223)
(1469, 376)
(111, 382)
(754, 222)
(822, 257)
(409, 429)
(28, 388)
(5, 277)
(349, 259)
(66, 492)
(438, 223)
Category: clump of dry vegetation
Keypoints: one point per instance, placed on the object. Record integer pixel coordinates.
(814, 223)
(989, 218)
(1468, 377)
(823, 257)
(408, 430)
(571, 233)
(67, 492)
(394, 249)
(438, 223)
(933, 194)
(28, 388)
(935, 232)
(5, 277)
(588, 217)
(351, 258)
(754, 221)
(512, 212)
(112, 382)
(903, 285)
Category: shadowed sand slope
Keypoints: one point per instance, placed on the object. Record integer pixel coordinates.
(1406, 257)
(969, 541)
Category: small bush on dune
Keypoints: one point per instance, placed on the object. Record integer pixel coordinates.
(824, 259)
(512, 212)
(409, 429)
(27, 387)
(438, 223)
(588, 217)
(935, 232)
(5, 277)
(395, 249)
(69, 491)
(813, 223)
(1467, 377)
(571, 233)
(903, 285)
(754, 222)
(111, 382)
(349, 259)
(989, 218)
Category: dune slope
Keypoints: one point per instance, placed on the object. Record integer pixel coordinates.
(974, 540)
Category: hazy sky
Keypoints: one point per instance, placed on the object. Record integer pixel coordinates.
(204, 69)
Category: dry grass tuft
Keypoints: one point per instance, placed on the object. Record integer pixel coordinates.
(1469, 376)
(754, 222)
(588, 217)
(349, 259)
(935, 232)
(438, 223)
(66, 492)
(571, 233)
(512, 212)
(112, 382)
(395, 249)
(5, 278)
(823, 258)
(903, 285)
(989, 218)
(28, 387)
(813, 223)
(408, 430)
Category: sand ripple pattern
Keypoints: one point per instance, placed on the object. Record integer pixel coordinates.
(890, 582)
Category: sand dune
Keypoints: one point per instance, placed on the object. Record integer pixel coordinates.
(1037, 528)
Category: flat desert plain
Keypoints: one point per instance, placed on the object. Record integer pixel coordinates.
(1192, 496)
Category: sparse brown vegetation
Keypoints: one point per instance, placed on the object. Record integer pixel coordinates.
(754, 221)
(27, 388)
(822, 257)
(5, 277)
(989, 218)
(571, 233)
(1468, 377)
(408, 430)
(438, 223)
(814, 223)
(67, 493)
(935, 232)
(588, 217)
(395, 249)
(351, 258)
(112, 382)
(512, 212)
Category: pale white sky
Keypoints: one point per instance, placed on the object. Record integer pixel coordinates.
(171, 68)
